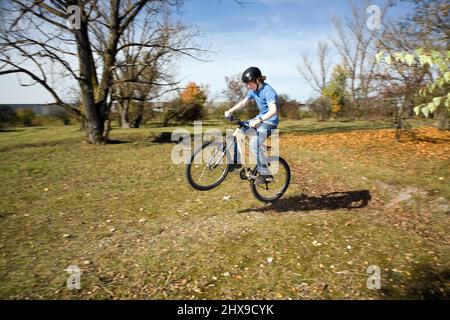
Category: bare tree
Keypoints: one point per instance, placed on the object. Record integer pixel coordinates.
(427, 27)
(356, 44)
(36, 35)
(146, 73)
(397, 81)
(317, 79)
(432, 21)
(235, 90)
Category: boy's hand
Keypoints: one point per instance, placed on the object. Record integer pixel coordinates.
(254, 122)
(227, 114)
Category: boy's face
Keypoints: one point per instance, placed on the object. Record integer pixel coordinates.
(252, 85)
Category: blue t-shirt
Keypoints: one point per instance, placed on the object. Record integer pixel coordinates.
(263, 97)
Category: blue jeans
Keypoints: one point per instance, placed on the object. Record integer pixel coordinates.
(263, 131)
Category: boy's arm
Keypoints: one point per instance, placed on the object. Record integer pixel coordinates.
(272, 111)
(269, 114)
(237, 106)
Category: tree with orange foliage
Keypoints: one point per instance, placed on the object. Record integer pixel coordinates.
(193, 94)
(188, 106)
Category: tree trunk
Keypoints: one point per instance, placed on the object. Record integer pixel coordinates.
(124, 114)
(94, 95)
(95, 128)
(88, 83)
(107, 130)
(165, 121)
(136, 123)
(442, 115)
(321, 117)
(82, 123)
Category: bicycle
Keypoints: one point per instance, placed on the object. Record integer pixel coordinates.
(206, 175)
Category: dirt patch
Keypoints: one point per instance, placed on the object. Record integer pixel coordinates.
(411, 209)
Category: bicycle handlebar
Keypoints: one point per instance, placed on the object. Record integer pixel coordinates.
(237, 121)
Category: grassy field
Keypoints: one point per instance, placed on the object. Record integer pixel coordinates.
(125, 214)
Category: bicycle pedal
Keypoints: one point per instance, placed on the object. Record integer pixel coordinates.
(245, 174)
(235, 168)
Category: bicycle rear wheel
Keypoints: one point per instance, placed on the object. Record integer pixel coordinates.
(272, 191)
(208, 166)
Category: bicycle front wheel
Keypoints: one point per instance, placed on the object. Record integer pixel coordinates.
(208, 166)
(273, 190)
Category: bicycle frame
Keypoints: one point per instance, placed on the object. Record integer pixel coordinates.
(228, 143)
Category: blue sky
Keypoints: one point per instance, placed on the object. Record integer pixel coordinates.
(270, 34)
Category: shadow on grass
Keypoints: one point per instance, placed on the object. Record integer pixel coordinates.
(40, 144)
(24, 129)
(414, 136)
(166, 137)
(330, 201)
(163, 137)
(117, 141)
(427, 282)
(9, 130)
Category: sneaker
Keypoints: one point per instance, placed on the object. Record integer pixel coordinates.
(233, 167)
(264, 179)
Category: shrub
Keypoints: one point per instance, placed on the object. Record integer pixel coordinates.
(26, 117)
(288, 108)
(306, 114)
(188, 106)
(321, 107)
(180, 112)
(8, 117)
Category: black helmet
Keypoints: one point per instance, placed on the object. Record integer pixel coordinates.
(251, 74)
